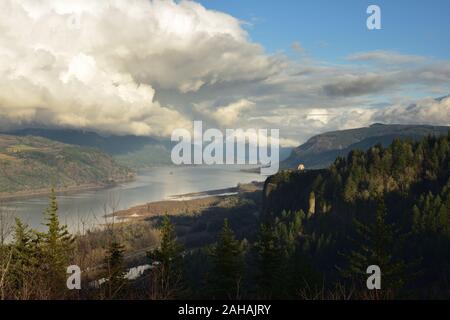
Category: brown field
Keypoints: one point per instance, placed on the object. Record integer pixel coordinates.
(200, 202)
(169, 207)
(6, 157)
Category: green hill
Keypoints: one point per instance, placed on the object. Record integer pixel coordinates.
(394, 201)
(321, 150)
(131, 151)
(33, 164)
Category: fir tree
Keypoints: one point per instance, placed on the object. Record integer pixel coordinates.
(22, 262)
(168, 275)
(114, 270)
(227, 257)
(376, 247)
(57, 247)
(23, 253)
(269, 275)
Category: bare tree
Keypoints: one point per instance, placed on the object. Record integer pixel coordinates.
(6, 229)
(6, 222)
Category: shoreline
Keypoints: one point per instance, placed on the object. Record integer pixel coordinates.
(189, 203)
(207, 193)
(6, 197)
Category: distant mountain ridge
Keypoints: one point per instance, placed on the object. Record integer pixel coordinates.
(112, 144)
(318, 152)
(132, 151)
(321, 150)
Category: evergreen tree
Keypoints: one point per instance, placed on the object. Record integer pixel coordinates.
(168, 275)
(22, 265)
(114, 270)
(282, 269)
(431, 213)
(269, 275)
(375, 246)
(227, 258)
(23, 258)
(57, 248)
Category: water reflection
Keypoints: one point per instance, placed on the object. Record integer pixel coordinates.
(83, 210)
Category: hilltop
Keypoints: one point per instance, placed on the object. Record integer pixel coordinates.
(321, 150)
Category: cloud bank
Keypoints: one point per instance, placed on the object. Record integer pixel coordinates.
(96, 65)
(146, 67)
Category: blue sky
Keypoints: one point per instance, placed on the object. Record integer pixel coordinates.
(331, 30)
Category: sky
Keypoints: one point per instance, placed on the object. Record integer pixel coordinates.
(147, 67)
(334, 29)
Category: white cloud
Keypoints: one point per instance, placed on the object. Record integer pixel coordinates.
(99, 64)
(148, 66)
(321, 115)
(425, 111)
(228, 115)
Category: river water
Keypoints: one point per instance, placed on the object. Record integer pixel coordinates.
(86, 209)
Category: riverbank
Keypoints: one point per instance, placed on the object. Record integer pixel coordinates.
(157, 184)
(189, 203)
(4, 196)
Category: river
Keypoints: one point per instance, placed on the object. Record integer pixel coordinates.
(83, 210)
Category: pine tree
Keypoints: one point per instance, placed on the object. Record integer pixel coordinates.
(431, 213)
(57, 248)
(417, 225)
(376, 247)
(18, 265)
(227, 257)
(269, 275)
(282, 268)
(24, 260)
(168, 274)
(350, 189)
(114, 270)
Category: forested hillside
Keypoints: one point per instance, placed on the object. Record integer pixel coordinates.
(33, 163)
(386, 206)
(321, 150)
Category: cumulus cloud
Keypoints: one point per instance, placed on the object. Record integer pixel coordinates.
(300, 125)
(227, 115)
(98, 64)
(425, 111)
(148, 66)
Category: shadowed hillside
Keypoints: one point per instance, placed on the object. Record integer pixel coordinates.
(393, 200)
(29, 164)
(131, 151)
(320, 151)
